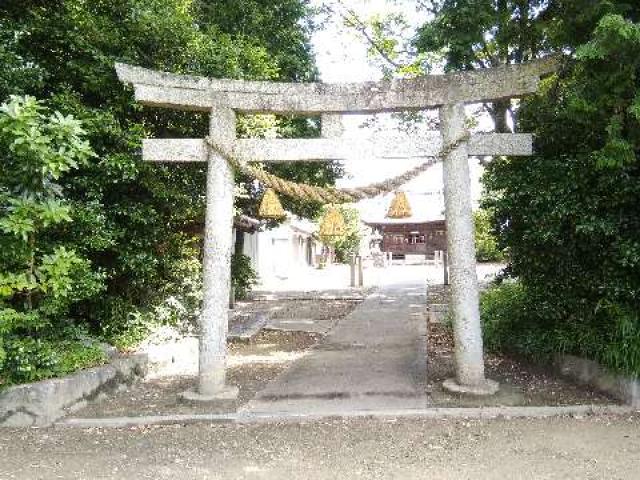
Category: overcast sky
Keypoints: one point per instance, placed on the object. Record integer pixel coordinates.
(341, 56)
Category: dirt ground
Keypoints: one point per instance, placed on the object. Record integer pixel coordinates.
(309, 307)
(252, 365)
(579, 447)
(558, 448)
(255, 364)
(521, 383)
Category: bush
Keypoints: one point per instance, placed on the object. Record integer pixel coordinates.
(122, 327)
(514, 323)
(125, 326)
(486, 241)
(523, 321)
(41, 279)
(570, 216)
(499, 308)
(243, 276)
(31, 359)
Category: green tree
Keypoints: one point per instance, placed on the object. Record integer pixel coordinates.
(568, 216)
(486, 241)
(282, 28)
(138, 223)
(347, 244)
(40, 279)
(472, 34)
(475, 34)
(571, 214)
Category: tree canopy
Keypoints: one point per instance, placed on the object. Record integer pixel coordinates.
(571, 215)
(138, 224)
(568, 216)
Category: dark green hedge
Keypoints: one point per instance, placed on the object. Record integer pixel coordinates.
(570, 216)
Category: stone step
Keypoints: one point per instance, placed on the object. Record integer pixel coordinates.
(247, 326)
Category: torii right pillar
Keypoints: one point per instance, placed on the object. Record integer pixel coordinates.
(465, 302)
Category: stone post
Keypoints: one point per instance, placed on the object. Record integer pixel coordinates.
(352, 269)
(445, 266)
(218, 244)
(462, 261)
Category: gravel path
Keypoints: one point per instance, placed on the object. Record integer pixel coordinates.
(562, 448)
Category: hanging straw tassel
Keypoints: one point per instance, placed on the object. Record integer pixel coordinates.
(270, 206)
(399, 207)
(332, 224)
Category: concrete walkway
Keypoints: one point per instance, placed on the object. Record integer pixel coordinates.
(374, 359)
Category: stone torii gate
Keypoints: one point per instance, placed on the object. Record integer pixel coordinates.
(224, 98)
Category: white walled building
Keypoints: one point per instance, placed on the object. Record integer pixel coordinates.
(279, 252)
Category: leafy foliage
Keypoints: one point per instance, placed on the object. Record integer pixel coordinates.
(31, 359)
(571, 215)
(526, 321)
(281, 27)
(486, 242)
(244, 277)
(40, 279)
(483, 33)
(123, 227)
(473, 34)
(348, 244)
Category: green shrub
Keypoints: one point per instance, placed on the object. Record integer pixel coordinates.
(28, 359)
(41, 279)
(176, 302)
(243, 276)
(570, 215)
(487, 249)
(31, 359)
(122, 327)
(528, 322)
(516, 323)
(78, 355)
(131, 221)
(499, 308)
(125, 327)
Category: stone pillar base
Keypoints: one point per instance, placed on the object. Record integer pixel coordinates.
(489, 387)
(229, 392)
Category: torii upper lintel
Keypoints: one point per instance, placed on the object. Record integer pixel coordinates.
(186, 92)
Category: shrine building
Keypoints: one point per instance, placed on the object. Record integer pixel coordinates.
(416, 237)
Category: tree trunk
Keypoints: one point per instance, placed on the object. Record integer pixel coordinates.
(500, 112)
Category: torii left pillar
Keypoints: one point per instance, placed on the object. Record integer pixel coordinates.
(218, 242)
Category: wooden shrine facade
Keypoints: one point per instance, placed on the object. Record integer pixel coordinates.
(402, 239)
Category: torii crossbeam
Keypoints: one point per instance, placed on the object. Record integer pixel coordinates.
(224, 98)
